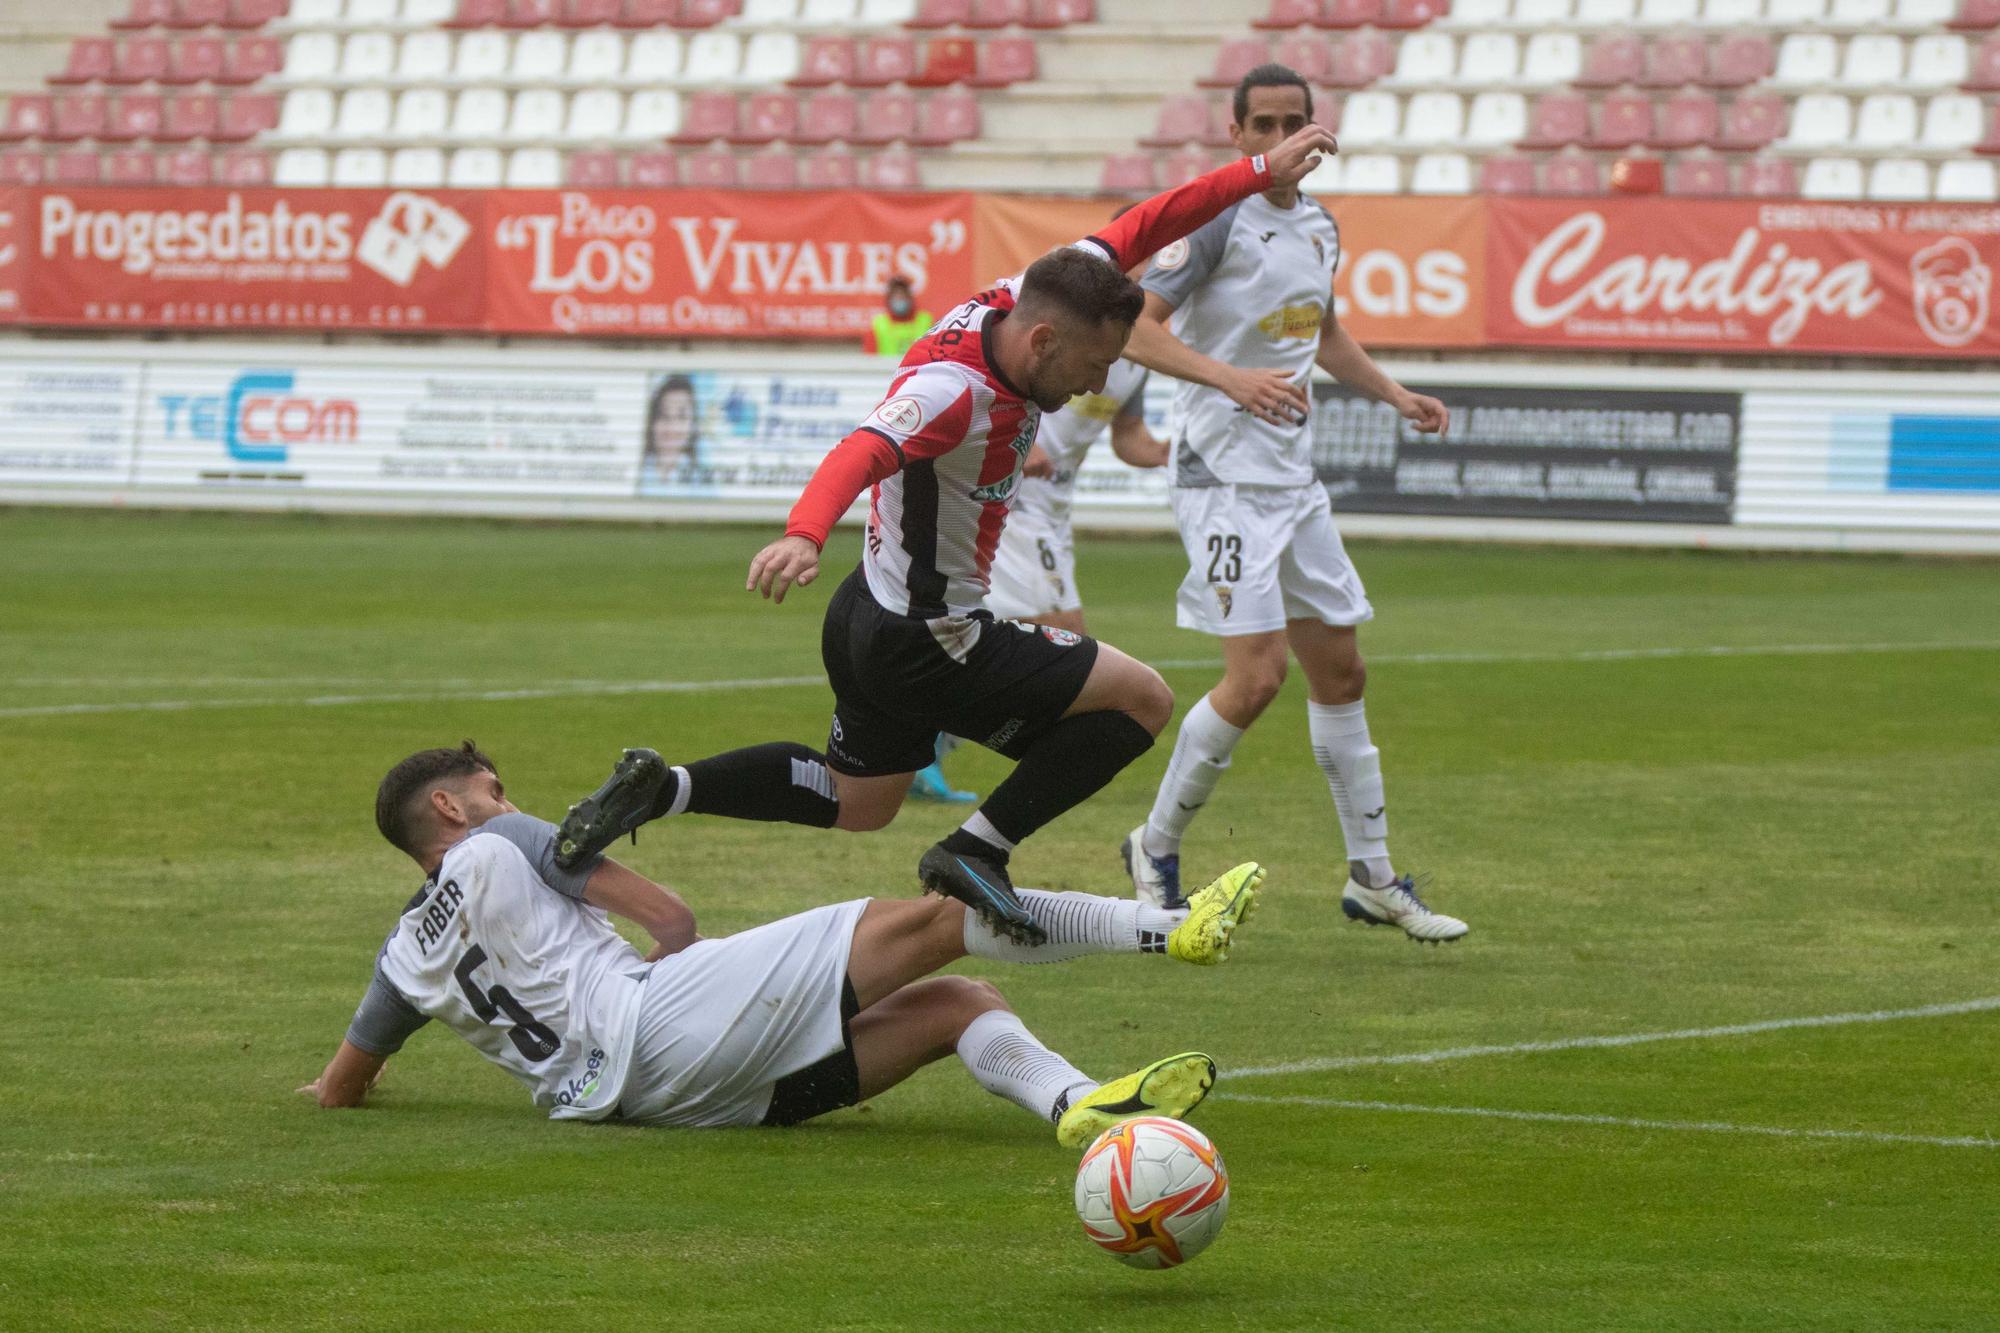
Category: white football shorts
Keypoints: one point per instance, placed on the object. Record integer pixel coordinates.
(1259, 556)
(723, 1020)
(1034, 568)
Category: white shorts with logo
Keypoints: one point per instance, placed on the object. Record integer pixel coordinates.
(1034, 568)
(723, 1020)
(1259, 556)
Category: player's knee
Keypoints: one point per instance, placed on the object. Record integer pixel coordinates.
(972, 996)
(1263, 680)
(1150, 700)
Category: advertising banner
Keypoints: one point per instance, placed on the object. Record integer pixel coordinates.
(714, 263)
(1660, 455)
(14, 206)
(263, 258)
(69, 422)
(1743, 276)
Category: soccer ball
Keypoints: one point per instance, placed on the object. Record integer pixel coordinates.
(1152, 1192)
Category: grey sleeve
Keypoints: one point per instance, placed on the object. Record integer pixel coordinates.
(1175, 278)
(536, 839)
(1135, 402)
(385, 1019)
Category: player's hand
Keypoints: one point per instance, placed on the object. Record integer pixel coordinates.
(311, 1089)
(786, 563)
(1293, 160)
(1428, 414)
(1269, 395)
(1039, 463)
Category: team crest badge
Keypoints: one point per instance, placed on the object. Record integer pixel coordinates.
(1319, 249)
(1061, 638)
(1225, 597)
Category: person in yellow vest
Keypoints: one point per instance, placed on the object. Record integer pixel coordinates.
(898, 324)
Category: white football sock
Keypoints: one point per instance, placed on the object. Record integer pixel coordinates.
(1009, 1062)
(1201, 753)
(1353, 768)
(1079, 924)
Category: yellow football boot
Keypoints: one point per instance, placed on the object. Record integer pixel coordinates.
(1214, 914)
(1171, 1087)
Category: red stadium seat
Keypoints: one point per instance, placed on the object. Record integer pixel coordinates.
(79, 116)
(894, 170)
(22, 166)
(1751, 122)
(766, 118)
(253, 13)
(997, 13)
(136, 116)
(883, 61)
(1637, 175)
(831, 169)
(1623, 120)
(1183, 166)
(251, 59)
(1976, 15)
(145, 14)
(1699, 178)
(195, 60)
(590, 14)
(1572, 175)
(649, 14)
(947, 118)
(1507, 175)
(1360, 59)
(246, 116)
(653, 171)
(942, 14)
(477, 14)
(29, 116)
(825, 60)
(1406, 14)
(707, 13)
(139, 60)
(1771, 178)
(775, 170)
(1129, 173)
(595, 169)
(199, 14)
(1235, 59)
(187, 167)
(243, 166)
(706, 116)
(1309, 54)
(1221, 115)
(130, 166)
(828, 117)
(1674, 61)
(1004, 62)
(1984, 76)
(1611, 61)
(947, 60)
(1991, 143)
(190, 116)
(90, 59)
(530, 13)
(1687, 121)
(1351, 14)
(1183, 120)
(710, 169)
(76, 166)
(1558, 120)
(1289, 14)
(1739, 60)
(1061, 13)
(885, 117)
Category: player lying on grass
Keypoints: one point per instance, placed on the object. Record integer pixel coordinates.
(767, 1027)
(909, 645)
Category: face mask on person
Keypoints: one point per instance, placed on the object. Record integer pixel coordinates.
(902, 305)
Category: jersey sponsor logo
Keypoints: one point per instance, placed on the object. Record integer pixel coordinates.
(580, 1089)
(1292, 321)
(1061, 638)
(902, 415)
(998, 492)
(1172, 256)
(1265, 237)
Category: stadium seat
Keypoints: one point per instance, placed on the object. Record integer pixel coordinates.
(1831, 178)
(653, 114)
(1179, 168)
(1309, 54)
(250, 59)
(534, 169)
(1129, 173)
(198, 13)
(1966, 182)
(826, 13)
(1606, 13)
(190, 116)
(372, 13)
(1370, 118)
(887, 115)
(652, 171)
(187, 168)
(1984, 76)
(946, 60)
(713, 57)
(1637, 175)
(1558, 120)
(1873, 59)
(883, 61)
(245, 14)
(1506, 175)
(705, 13)
(1699, 178)
(1434, 119)
(769, 59)
(1674, 61)
(1819, 120)
(470, 14)
(643, 14)
(29, 116)
(1182, 120)
(1976, 16)
(1785, 14)
(832, 169)
(1613, 60)
(1899, 179)
(1687, 120)
(364, 115)
(896, 169)
(1751, 122)
(359, 168)
(996, 13)
(595, 116)
(654, 57)
(1324, 178)
(195, 60)
(1496, 119)
(1885, 120)
(1221, 116)
(947, 118)
(1857, 13)
(1624, 120)
(1406, 14)
(536, 115)
(320, 13)
(1488, 59)
(1938, 60)
(1739, 60)
(1952, 123)
(539, 57)
(1289, 14)
(78, 116)
(824, 61)
(766, 118)
(365, 57)
(243, 166)
(1476, 14)
(475, 169)
(1441, 173)
(1806, 60)
(23, 166)
(829, 116)
(1668, 13)
(76, 166)
(1425, 59)
(135, 116)
(479, 113)
(1731, 14)
(598, 57)
(1552, 59)
(594, 170)
(301, 167)
(1004, 62)
(1234, 59)
(312, 57)
(768, 13)
(711, 169)
(139, 60)
(1360, 59)
(144, 14)
(1350, 13)
(1060, 13)
(416, 168)
(130, 166)
(480, 57)
(707, 116)
(1991, 143)
(90, 61)
(1372, 173)
(940, 14)
(885, 13)
(1572, 175)
(582, 14)
(775, 170)
(421, 113)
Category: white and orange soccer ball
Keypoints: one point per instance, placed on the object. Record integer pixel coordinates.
(1152, 1192)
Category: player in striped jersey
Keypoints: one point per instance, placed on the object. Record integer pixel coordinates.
(909, 645)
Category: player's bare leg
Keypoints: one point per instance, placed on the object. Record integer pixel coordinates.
(867, 804)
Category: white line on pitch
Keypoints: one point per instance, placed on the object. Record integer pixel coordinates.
(1325, 1063)
(1619, 1121)
(576, 688)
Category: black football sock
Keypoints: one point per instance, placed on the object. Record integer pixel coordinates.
(1067, 765)
(783, 782)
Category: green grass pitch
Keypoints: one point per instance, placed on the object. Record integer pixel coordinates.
(194, 711)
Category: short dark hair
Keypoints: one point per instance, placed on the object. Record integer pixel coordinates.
(1272, 75)
(1082, 285)
(414, 777)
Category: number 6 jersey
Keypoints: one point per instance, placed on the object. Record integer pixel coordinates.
(500, 947)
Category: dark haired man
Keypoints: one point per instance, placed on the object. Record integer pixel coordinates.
(769, 1027)
(909, 645)
(1250, 294)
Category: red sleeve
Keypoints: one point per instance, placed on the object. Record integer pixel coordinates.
(855, 464)
(1165, 218)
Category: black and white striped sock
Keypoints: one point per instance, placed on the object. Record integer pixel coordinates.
(1078, 925)
(1009, 1062)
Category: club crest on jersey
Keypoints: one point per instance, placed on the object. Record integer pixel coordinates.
(1319, 249)
(1061, 638)
(902, 415)
(1172, 255)
(1225, 598)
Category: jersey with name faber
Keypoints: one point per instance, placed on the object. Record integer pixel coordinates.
(538, 981)
(1250, 289)
(1066, 436)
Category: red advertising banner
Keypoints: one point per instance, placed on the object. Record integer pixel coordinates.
(14, 206)
(263, 258)
(713, 263)
(1743, 276)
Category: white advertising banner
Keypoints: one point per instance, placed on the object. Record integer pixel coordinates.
(65, 424)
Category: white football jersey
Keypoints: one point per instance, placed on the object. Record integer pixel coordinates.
(536, 980)
(1066, 436)
(1250, 289)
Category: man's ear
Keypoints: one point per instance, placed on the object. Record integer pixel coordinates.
(447, 807)
(1042, 340)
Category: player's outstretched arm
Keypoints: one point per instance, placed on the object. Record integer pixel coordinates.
(1345, 359)
(1268, 395)
(1134, 444)
(347, 1077)
(657, 910)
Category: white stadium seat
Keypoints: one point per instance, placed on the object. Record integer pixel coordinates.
(306, 114)
(1886, 120)
(1858, 13)
(826, 13)
(364, 114)
(1668, 13)
(652, 114)
(480, 113)
(1731, 13)
(369, 13)
(1872, 60)
(421, 113)
(770, 58)
(1831, 178)
(713, 57)
(1938, 60)
(767, 13)
(1442, 173)
(1496, 119)
(314, 14)
(1474, 14)
(481, 57)
(1924, 13)
(1820, 120)
(886, 13)
(311, 57)
(1794, 13)
(1552, 58)
(366, 57)
(360, 168)
(1606, 13)
(425, 14)
(425, 57)
(539, 57)
(655, 57)
(534, 169)
(1542, 13)
(1372, 173)
(475, 169)
(1899, 179)
(1324, 178)
(1953, 122)
(416, 168)
(1369, 118)
(595, 114)
(1806, 59)
(300, 167)
(1434, 118)
(1967, 181)
(537, 115)
(1489, 58)
(597, 57)
(1425, 58)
